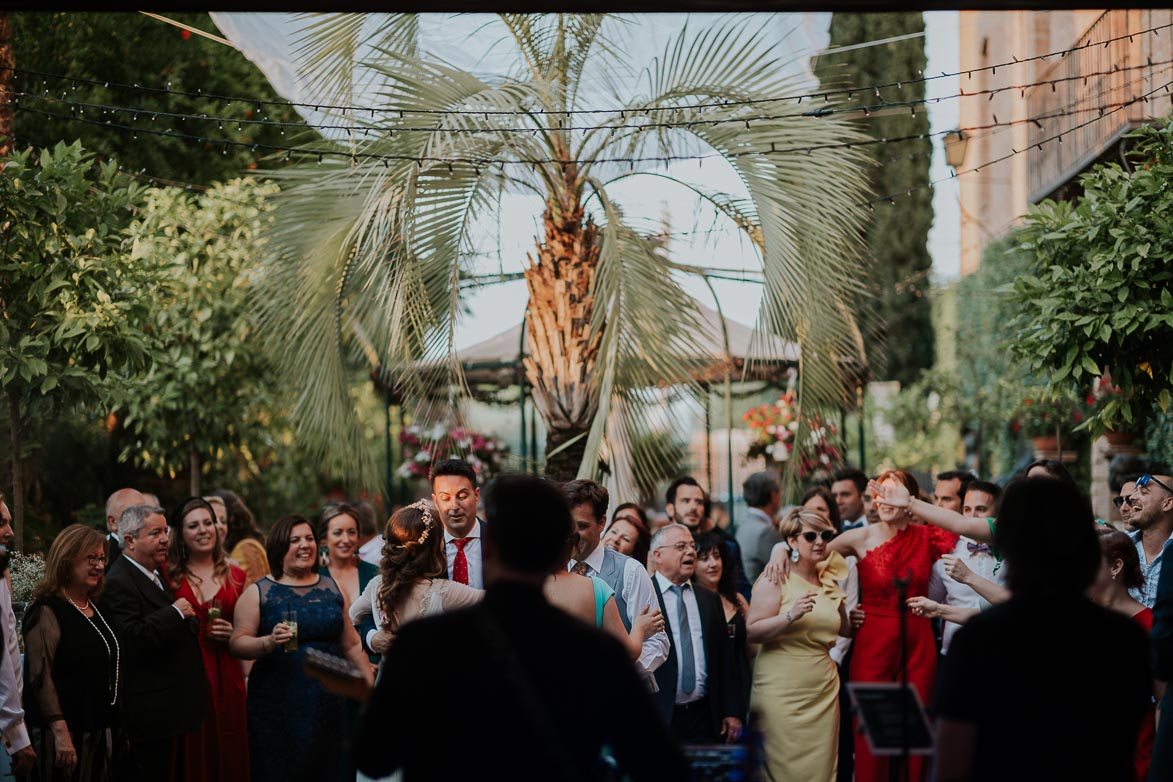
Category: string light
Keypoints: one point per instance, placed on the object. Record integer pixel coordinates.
(891, 198)
(798, 98)
(312, 152)
(651, 124)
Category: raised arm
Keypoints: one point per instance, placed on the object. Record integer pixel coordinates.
(960, 572)
(897, 496)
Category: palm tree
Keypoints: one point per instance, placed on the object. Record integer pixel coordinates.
(372, 252)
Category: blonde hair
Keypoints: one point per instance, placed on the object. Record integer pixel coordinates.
(799, 517)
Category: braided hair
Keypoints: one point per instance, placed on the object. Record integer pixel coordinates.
(413, 549)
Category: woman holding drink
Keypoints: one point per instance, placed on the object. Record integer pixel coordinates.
(295, 727)
(198, 570)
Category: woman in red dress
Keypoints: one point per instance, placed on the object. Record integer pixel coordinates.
(198, 571)
(896, 547)
(1119, 573)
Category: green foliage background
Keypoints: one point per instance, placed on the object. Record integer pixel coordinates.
(897, 236)
(131, 48)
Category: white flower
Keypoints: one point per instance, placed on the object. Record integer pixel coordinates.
(793, 426)
(423, 456)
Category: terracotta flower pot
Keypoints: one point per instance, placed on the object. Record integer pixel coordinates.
(1119, 438)
(1045, 446)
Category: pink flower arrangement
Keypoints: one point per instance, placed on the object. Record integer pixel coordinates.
(423, 447)
(775, 427)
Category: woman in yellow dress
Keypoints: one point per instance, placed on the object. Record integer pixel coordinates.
(795, 695)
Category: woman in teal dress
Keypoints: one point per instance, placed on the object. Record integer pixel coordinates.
(296, 729)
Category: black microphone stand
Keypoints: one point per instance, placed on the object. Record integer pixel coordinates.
(901, 585)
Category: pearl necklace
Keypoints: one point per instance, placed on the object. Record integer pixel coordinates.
(113, 637)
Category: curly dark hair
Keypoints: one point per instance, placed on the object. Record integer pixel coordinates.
(727, 585)
(413, 548)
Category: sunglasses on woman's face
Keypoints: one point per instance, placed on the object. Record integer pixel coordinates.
(827, 536)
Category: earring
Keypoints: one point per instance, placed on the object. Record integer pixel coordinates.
(794, 555)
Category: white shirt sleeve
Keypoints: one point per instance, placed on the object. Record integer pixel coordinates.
(851, 588)
(364, 603)
(16, 735)
(638, 592)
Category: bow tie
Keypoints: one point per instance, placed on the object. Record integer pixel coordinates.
(977, 548)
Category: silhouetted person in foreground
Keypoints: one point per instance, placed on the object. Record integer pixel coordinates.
(1024, 695)
(513, 688)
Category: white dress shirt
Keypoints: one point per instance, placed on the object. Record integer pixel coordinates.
(372, 551)
(472, 552)
(693, 611)
(16, 735)
(638, 593)
(944, 588)
(850, 587)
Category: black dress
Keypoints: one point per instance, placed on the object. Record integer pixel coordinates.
(738, 652)
(72, 673)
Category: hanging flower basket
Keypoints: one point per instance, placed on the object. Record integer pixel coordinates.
(775, 428)
(424, 446)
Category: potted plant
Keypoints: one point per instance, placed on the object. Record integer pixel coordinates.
(26, 572)
(1043, 419)
(1104, 398)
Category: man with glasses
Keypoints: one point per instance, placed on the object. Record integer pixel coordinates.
(1152, 518)
(698, 692)
(1123, 501)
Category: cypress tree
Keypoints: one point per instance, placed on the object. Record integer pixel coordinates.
(897, 236)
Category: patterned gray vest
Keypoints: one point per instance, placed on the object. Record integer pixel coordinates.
(612, 573)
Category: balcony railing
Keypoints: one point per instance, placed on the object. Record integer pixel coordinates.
(1106, 90)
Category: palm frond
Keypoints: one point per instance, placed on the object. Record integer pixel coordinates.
(330, 46)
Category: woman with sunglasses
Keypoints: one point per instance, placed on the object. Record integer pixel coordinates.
(795, 683)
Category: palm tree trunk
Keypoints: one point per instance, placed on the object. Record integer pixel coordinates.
(562, 355)
(7, 62)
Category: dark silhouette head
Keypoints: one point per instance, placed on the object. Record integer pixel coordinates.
(527, 524)
(1046, 532)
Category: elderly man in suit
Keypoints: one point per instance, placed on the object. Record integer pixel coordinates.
(698, 691)
(163, 667)
(115, 504)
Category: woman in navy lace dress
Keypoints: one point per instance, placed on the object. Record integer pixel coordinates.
(296, 729)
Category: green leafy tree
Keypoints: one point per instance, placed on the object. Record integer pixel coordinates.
(208, 397)
(897, 234)
(1099, 297)
(370, 254)
(74, 303)
(130, 48)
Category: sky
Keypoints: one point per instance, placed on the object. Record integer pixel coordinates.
(268, 40)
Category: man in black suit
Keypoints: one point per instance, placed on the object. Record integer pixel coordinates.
(698, 692)
(116, 503)
(163, 671)
(544, 691)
